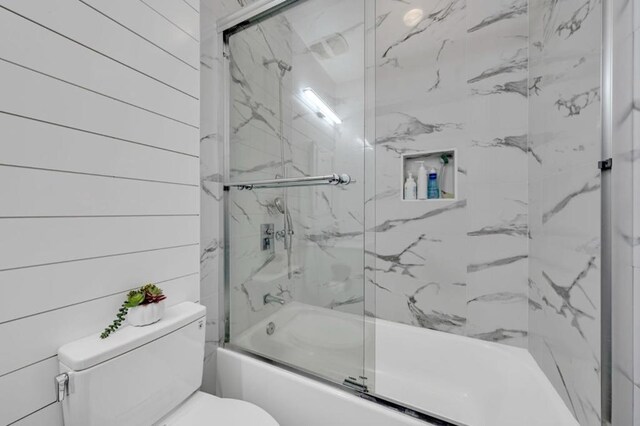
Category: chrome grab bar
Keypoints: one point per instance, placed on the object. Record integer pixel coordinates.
(332, 179)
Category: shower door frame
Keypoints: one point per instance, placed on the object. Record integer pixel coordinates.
(226, 27)
(238, 19)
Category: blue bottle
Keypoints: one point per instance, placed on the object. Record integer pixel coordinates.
(432, 185)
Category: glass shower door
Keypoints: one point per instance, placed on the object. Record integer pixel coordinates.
(295, 232)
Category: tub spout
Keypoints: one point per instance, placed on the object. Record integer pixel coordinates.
(269, 298)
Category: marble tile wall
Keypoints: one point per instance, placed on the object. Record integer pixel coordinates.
(454, 78)
(564, 199)
(622, 212)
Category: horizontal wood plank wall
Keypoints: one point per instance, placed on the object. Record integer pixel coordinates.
(194, 4)
(99, 179)
(182, 15)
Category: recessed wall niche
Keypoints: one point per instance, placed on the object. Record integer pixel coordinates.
(443, 162)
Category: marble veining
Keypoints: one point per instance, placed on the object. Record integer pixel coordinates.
(564, 185)
(576, 103)
(519, 142)
(516, 9)
(562, 204)
(438, 15)
(514, 227)
(495, 263)
(574, 23)
(515, 63)
(435, 320)
(502, 297)
(393, 223)
(565, 295)
(412, 127)
(500, 334)
(395, 260)
(520, 87)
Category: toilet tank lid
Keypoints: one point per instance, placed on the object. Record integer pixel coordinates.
(92, 350)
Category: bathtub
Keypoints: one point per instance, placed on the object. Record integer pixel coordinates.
(460, 380)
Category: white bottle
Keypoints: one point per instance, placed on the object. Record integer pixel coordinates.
(410, 188)
(422, 182)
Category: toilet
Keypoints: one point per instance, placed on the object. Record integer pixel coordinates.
(143, 376)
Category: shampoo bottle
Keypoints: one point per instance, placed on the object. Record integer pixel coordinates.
(433, 191)
(422, 182)
(410, 188)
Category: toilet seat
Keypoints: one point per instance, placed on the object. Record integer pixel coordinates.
(203, 409)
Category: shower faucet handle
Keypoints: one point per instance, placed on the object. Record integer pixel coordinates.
(267, 234)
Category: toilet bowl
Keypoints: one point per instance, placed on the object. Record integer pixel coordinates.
(142, 376)
(203, 409)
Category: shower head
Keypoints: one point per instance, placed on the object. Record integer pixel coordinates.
(282, 65)
(279, 204)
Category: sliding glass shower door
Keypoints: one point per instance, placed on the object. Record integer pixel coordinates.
(296, 189)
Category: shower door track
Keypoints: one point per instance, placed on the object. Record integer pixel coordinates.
(250, 13)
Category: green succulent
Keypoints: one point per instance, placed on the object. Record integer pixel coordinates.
(120, 316)
(152, 289)
(134, 298)
(148, 293)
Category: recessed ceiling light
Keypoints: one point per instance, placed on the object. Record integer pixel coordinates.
(413, 17)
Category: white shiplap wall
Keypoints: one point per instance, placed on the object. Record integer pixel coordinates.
(99, 176)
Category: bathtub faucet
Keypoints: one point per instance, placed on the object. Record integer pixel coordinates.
(269, 298)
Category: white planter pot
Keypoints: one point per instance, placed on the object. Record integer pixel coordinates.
(146, 314)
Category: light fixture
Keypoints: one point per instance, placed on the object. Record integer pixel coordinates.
(316, 103)
(413, 17)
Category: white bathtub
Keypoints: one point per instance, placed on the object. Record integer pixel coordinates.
(462, 380)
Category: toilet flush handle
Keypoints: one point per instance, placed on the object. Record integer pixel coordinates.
(62, 382)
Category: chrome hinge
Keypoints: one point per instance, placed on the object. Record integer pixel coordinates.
(62, 383)
(605, 164)
(353, 383)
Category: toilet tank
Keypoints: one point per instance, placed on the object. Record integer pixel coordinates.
(136, 375)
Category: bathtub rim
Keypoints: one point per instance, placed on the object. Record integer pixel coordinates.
(400, 407)
(394, 399)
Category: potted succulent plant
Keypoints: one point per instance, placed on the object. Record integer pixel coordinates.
(144, 306)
